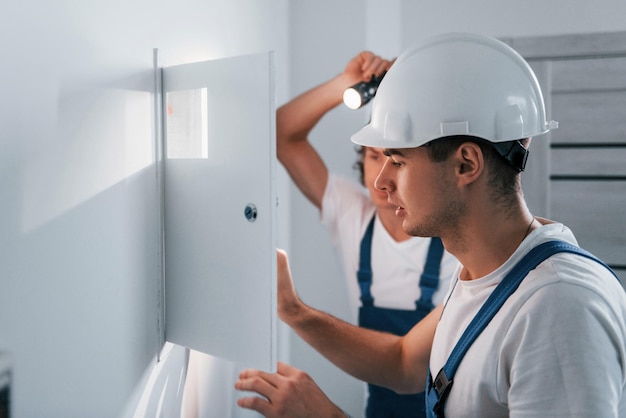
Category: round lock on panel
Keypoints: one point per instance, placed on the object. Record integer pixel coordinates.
(250, 212)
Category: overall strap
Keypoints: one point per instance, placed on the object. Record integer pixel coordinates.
(364, 275)
(443, 381)
(429, 281)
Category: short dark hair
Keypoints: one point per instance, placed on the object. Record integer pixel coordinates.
(504, 179)
(358, 164)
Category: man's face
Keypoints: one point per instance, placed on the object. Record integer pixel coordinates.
(423, 192)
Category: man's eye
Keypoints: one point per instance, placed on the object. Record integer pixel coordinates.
(396, 163)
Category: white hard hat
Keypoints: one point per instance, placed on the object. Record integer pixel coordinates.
(456, 84)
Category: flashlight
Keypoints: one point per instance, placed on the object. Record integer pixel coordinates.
(361, 93)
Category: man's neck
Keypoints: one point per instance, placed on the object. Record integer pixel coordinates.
(487, 244)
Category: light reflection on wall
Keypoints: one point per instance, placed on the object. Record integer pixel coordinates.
(162, 394)
(102, 137)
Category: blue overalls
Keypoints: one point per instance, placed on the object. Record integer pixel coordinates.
(383, 402)
(439, 388)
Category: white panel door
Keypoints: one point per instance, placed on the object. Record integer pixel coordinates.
(219, 169)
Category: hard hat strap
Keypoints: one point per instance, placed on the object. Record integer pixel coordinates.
(514, 152)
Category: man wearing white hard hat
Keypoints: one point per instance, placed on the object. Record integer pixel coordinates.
(392, 279)
(532, 325)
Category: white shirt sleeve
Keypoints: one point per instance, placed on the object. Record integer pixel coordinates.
(563, 356)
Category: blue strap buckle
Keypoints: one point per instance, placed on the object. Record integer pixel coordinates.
(442, 386)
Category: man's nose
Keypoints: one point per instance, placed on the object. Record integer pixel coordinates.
(381, 182)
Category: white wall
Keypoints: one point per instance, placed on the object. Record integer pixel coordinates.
(324, 35)
(509, 18)
(79, 227)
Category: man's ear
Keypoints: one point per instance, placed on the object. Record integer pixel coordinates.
(470, 162)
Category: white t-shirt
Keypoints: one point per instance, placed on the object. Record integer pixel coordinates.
(557, 348)
(396, 266)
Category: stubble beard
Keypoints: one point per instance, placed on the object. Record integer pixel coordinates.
(443, 221)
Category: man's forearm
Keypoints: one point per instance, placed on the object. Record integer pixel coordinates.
(298, 117)
(368, 355)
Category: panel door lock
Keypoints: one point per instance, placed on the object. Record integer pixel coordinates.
(250, 212)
